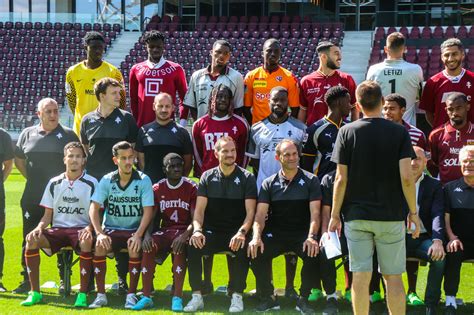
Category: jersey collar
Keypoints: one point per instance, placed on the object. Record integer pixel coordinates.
(334, 123)
(224, 71)
(466, 129)
(116, 176)
(220, 118)
(454, 79)
(174, 187)
(157, 65)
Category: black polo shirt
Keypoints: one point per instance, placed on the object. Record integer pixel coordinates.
(225, 210)
(6, 153)
(459, 199)
(156, 141)
(101, 134)
(289, 213)
(44, 155)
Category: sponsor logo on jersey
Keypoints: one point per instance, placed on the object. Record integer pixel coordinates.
(73, 199)
(210, 138)
(454, 150)
(279, 78)
(155, 72)
(176, 203)
(313, 90)
(458, 189)
(89, 92)
(71, 210)
(262, 96)
(451, 162)
(259, 84)
(152, 86)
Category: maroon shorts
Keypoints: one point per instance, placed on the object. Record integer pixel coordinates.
(163, 240)
(119, 238)
(61, 237)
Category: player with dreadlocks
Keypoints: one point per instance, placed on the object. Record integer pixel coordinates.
(219, 121)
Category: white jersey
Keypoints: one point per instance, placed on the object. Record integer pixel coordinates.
(70, 200)
(399, 76)
(264, 137)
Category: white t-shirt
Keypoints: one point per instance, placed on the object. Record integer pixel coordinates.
(399, 76)
(70, 200)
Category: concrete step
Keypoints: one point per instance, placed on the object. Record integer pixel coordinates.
(356, 54)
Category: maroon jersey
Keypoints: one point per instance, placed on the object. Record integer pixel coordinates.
(313, 88)
(207, 130)
(437, 90)
(174, 205)
(445, 143)
(416, 135)
(147, 80)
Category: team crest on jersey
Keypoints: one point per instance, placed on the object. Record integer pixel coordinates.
(237, 181)
(118, 120)
(59, 135)
(468, 84)
(174, 130)
(279, 78)
(234, 129)
(301, 182)
(92, 120)
(327, 86)
(290, 133)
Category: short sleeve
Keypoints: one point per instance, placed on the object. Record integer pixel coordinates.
(406, 148)
(187, 142)
(139, 142)
(190, 97)
(352, 88)
(47, 199)
(327, 186)
(427, 101)
(294, 92)
(264, 194)
(341, 153)
(100, 194)
(252, 147)
(7, 147)
(315, 189)
(132, 129)
(248, 90)
(251, 187)
(310, 147)
(19, 149)
(147, 192)
(202, 187)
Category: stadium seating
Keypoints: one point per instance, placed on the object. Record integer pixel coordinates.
(34, 58)
(423, 45)
(299, 39)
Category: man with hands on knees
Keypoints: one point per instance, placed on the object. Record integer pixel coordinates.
(459, 197)
(225, 207)
(175, 200)
(429, 245)
(127, 198)
(292, 199)
(66, 200)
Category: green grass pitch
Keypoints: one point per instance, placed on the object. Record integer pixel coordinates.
(214, 304)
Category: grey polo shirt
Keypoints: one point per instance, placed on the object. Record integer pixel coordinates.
(289, 212)
(225, 210)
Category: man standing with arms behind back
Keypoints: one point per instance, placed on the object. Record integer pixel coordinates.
(81, 78)
(396, 75)
(373, 184)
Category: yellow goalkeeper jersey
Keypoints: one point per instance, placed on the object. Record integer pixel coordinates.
(80, 94)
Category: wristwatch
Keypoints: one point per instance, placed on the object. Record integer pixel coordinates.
(243, 231)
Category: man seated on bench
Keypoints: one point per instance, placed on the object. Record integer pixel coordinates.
(459, 196)
(291, 199)
(175, 200)
(429, 245)
(127, 196)
(225, 207)
(66, 200)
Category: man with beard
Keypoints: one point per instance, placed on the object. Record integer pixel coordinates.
(160, 137)
(225, 187)
(260, 81)
(447, 140)
(202, 81)
(81, 77)
(454, 78)
(315, 85)
(396, 75)
(220, 121)
(155, 75)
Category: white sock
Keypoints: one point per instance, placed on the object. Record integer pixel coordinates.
(331, 296)
(451, 300)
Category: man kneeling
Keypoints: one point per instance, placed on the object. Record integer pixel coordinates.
(127, 196)
(66, 201)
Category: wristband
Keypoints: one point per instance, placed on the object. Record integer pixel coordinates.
(314, 236)
(195, 231)
(243, 231)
